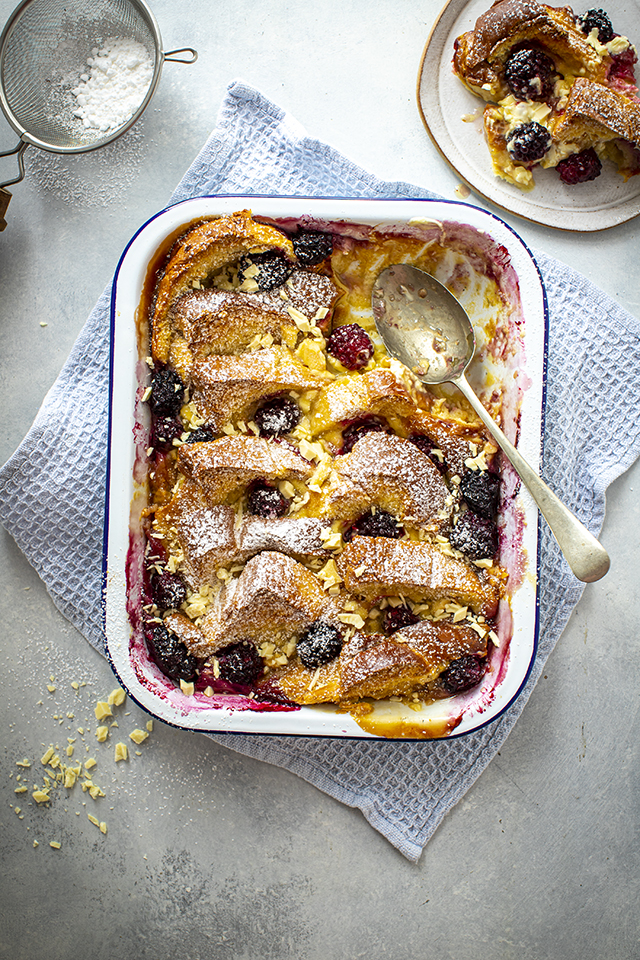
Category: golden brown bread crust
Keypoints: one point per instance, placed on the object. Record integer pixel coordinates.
(203, 249)
(226, 321)
(225, 388)
(203, 534)
(596, 113)
(479, 54)
(377, 392)
(220, 467)
(209, 537)
(453, 439)
(375, 567)
(388, 472)
(274, 597)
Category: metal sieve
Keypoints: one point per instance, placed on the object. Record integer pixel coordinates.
(43, 51)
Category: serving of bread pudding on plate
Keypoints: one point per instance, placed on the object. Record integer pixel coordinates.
(560, 91)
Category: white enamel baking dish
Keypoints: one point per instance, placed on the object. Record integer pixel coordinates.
(511, 662)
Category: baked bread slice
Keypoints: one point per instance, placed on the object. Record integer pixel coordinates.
(203, 249)
(376, 392)
(373, 567)
(480, 54)
(227, 321)
(226, 388)
(594, 113)
(201, 534)
(456, 441)
(391, 473)
(274, 598)
(222, 467)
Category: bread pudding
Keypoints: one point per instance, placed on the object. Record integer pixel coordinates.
(560, 90)
(317, 527)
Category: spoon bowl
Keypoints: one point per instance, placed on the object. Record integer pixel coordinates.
(422, 324)
(424, 327)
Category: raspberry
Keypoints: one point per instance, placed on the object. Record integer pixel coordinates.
(429, 448)
(168, 590)
(277, 416)
(464, 673)
(164, 430)
(580, 167)
(266, 501)
(240, 663)
(528, 142)
(481, 492)
(351, 345)
(169, 653)
(273, 269)
(201, 435)
(312, 247)
(475, 536)
(359, 428)
(395, 618)
(167, 393)
(319, 643)
(529, 74)
(597, 20)
(378, 524)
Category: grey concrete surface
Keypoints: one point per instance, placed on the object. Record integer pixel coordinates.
(211, 855)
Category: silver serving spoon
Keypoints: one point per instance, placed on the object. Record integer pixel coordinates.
(425, 327)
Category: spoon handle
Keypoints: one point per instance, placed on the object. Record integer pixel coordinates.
(585, 555)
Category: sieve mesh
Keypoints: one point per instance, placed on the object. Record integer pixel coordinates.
(44, 53)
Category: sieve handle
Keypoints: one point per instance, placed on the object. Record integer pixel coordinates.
(19, 149)
(5, 195)
(171, 55)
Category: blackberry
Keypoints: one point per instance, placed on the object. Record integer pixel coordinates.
(266, 501)
(529, 74)
(359, 428)
(580, 167)
(312, 247)
(597, 20)
(481, 492)
(273, 269)
(167, 393)
(429, 448)
(623, 66)
(200, 435)
(378, 524)
(396, 618)
(164, 430)
(528, 142)
(464, 673)
(169, 653)
(319, 643)
(475, 536)
(168, 590)
(351, 345)
(277, 416)
(240, 663)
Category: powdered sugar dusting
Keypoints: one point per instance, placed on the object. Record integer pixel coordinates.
(389, 468)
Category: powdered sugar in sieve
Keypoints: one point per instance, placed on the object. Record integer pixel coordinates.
(120, 72)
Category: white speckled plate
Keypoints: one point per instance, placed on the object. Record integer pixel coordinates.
(443, 100)
(489, 237)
